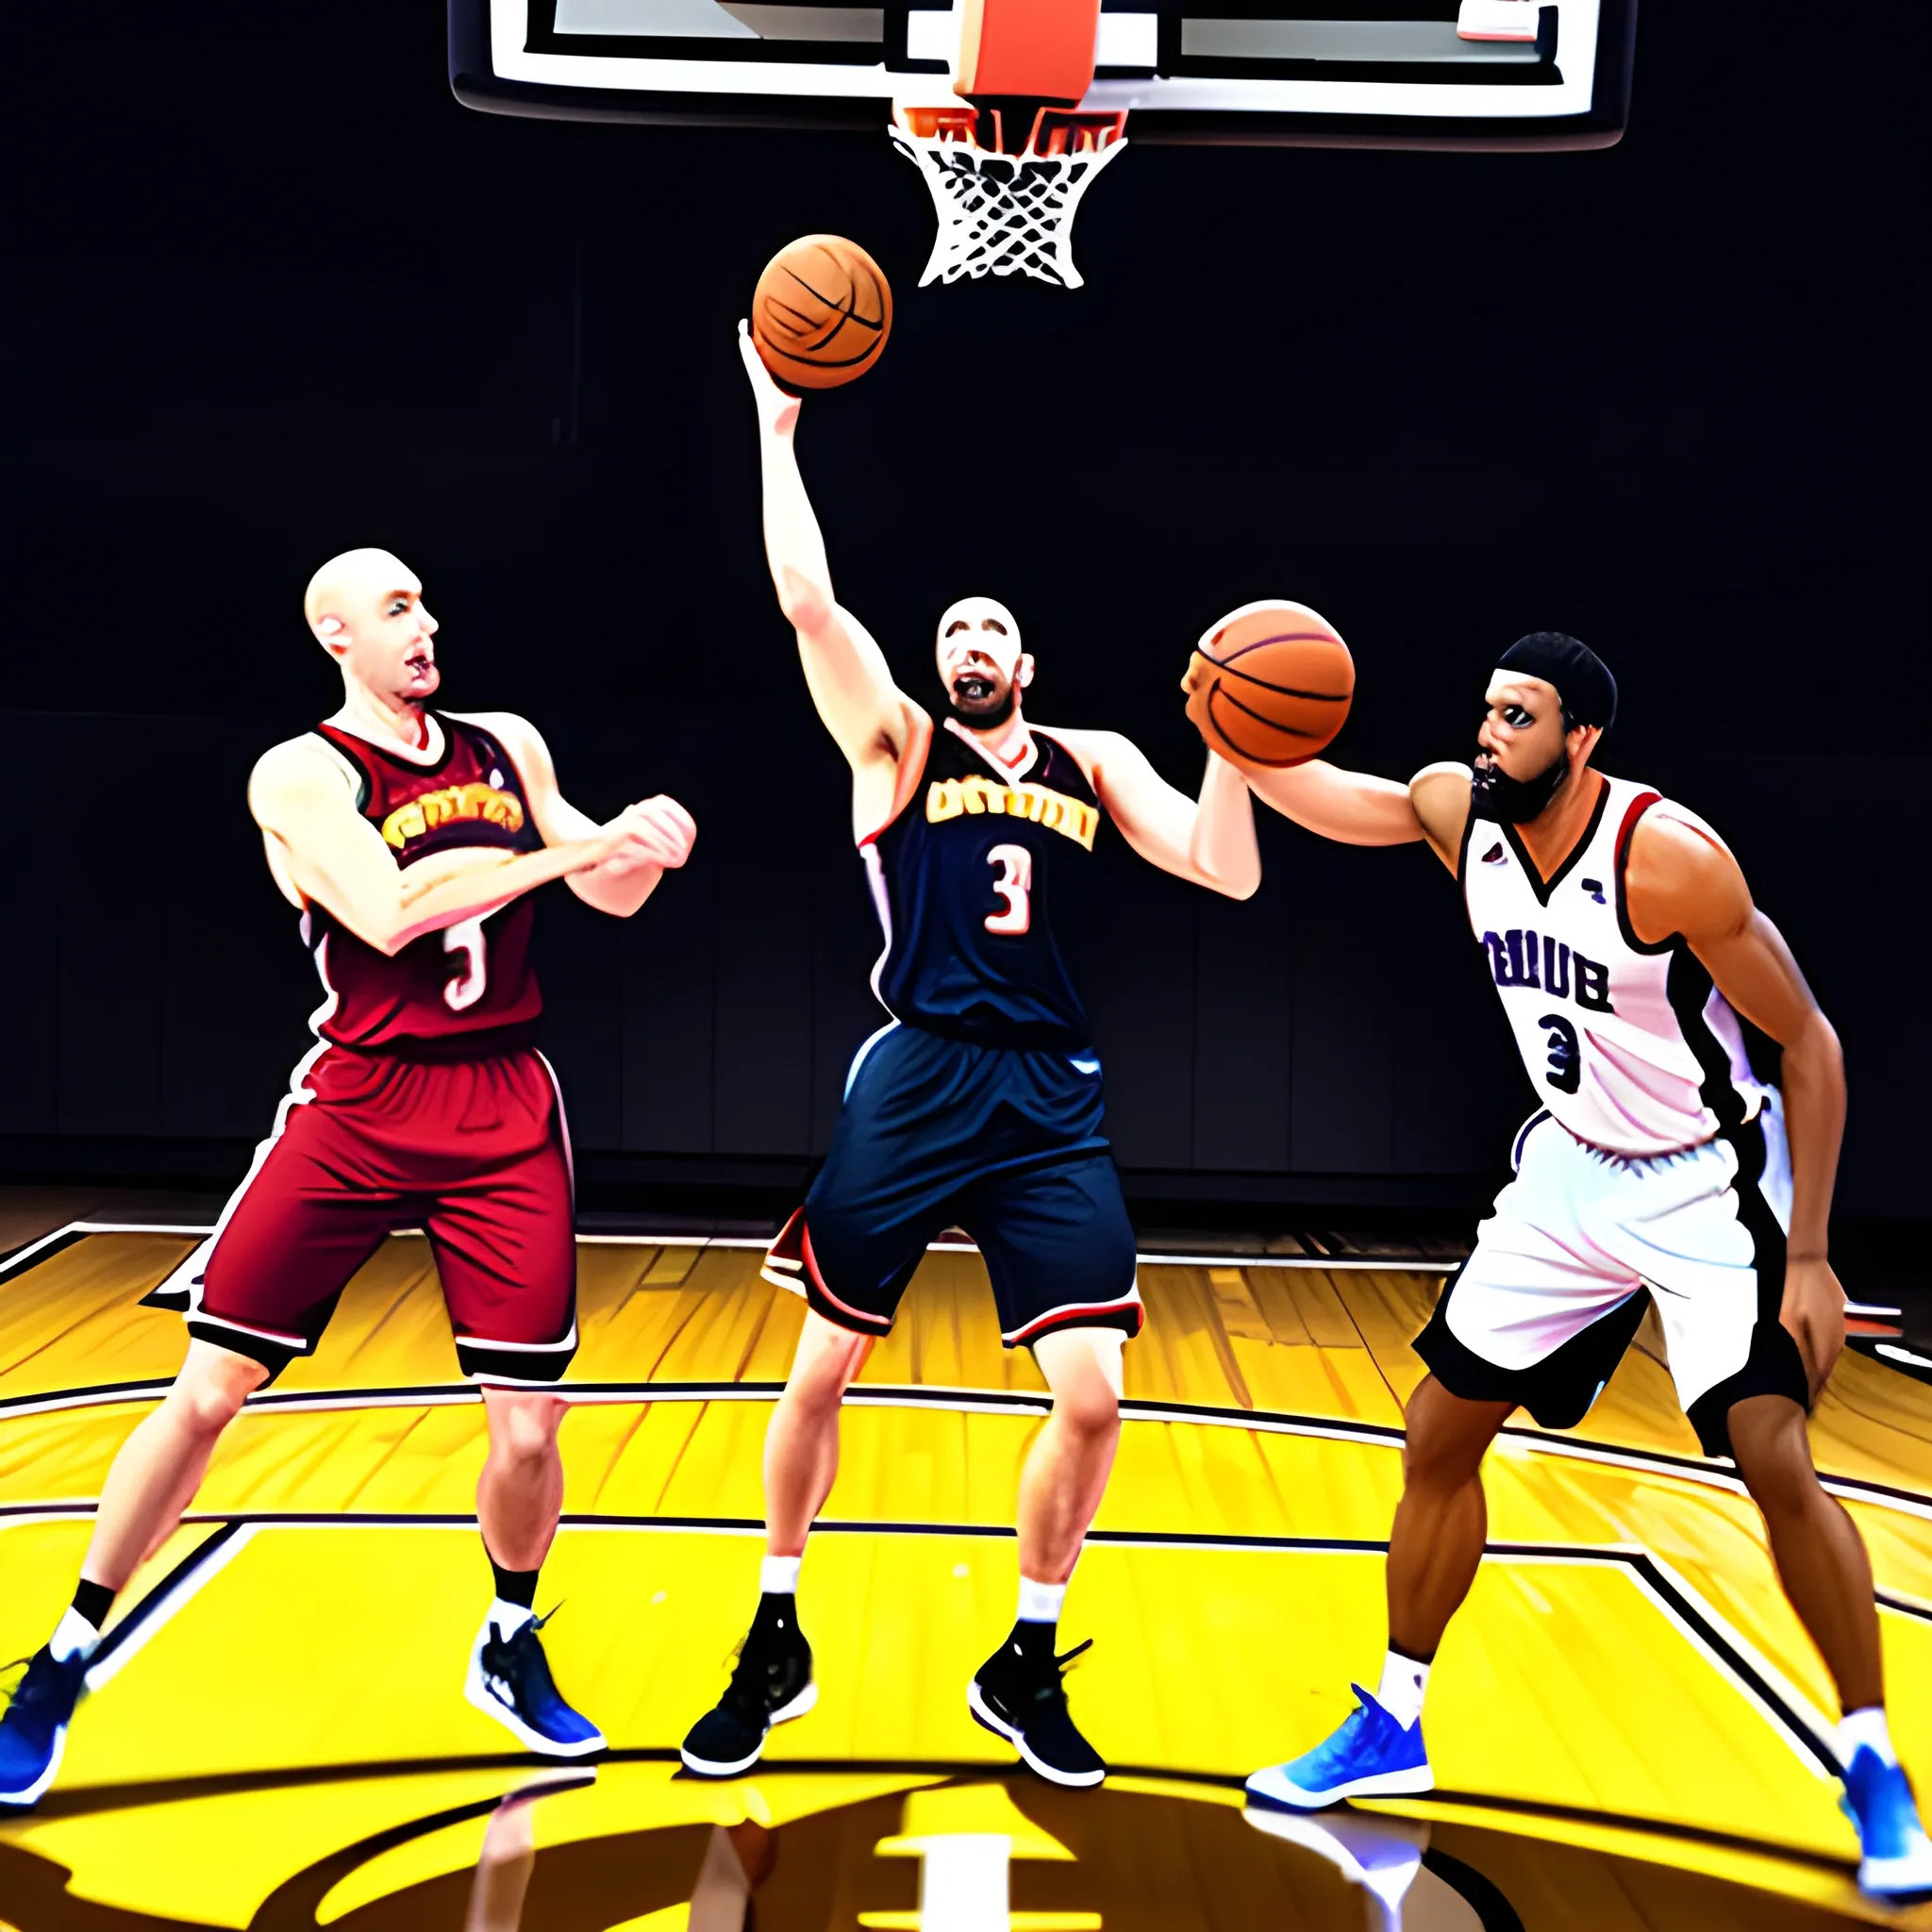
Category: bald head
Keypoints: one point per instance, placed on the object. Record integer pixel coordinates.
(981, 661)
(366, 609)
(357, 576)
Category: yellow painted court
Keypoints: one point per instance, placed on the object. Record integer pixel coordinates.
(1626, 1720)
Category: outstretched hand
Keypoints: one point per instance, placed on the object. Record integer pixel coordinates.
(777, 410)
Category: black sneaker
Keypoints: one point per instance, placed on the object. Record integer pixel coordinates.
(509, 1680)
(771, 1684)
(34, 1729)
(1020, 1697)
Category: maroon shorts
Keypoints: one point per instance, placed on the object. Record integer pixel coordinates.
(474, 1152)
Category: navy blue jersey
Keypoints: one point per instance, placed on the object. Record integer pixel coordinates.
(963, 879)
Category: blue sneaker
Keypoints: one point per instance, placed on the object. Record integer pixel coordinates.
(1371, 1756)
(509, 1679)
(33, 1732)
(1897, 1862)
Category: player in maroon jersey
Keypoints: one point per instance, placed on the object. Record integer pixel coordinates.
(409, 839)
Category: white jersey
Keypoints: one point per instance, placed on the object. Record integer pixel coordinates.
(1631, 1046)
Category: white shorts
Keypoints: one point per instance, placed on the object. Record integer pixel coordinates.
(1545, 1308)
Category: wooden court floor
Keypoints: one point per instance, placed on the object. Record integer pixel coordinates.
(1627, 1721)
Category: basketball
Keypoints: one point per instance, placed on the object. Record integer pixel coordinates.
(820, 314)
(1277, 685)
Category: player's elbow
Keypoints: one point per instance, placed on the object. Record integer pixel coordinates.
(1242, 886)
(1816, 1051)
(807, 605)
(388, 933)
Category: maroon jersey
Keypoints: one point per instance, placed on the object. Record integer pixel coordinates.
(469, 978)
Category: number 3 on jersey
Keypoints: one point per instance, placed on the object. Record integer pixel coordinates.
(1014, 886)
(465, 987)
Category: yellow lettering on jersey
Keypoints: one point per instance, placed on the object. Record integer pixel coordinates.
(454, 804)
(947, 798)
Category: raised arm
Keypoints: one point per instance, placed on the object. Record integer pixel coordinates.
(658, 832)
(869, 718)
(1350, 806)
(1679, 882)
(1209, 839)
(332, 855)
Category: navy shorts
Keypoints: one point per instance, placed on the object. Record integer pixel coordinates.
(1003, 1142)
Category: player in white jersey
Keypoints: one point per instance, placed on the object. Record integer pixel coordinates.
(1625, 945)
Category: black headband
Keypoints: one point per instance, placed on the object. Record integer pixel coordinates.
(1582, 678)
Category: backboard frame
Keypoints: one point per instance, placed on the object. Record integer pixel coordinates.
(1161, 111)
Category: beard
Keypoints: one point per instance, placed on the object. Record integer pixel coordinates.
(971, 701)
(1506, 801)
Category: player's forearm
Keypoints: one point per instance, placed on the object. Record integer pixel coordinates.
(1814, 1093)
(1350, 806)
(619, 893)
(1222, 850)
(474, 892)
(794, 545)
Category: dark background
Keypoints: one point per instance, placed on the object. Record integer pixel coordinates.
(274, 292)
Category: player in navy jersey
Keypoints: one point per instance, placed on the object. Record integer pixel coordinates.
(978, 1103)
(1625, 946)
(408, 839)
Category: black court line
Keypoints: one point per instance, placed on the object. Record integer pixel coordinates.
(1640, 1563)
(1708, 1469)
(1904, 1605)
(144, 1611)
(31, 1254)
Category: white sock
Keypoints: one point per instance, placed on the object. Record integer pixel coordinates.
(778, 1576)
(73, 1635)
(509, 1618)
(1866, 1728)
(1039, 1603)
(1400, 1692)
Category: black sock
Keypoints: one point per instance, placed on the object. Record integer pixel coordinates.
(1396, 1650)
(1035, 1641)
(515, 1586)
(93, 1601)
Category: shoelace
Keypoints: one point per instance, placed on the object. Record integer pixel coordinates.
(1053, 1690)
(26, 1692)
(750, 1674)
(22, 1664)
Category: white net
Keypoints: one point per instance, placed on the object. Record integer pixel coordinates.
(1004, 214)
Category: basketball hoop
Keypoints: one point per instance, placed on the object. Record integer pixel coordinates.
(1001, 213)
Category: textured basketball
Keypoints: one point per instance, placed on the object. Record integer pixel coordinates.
(822, 313)
(1277, 685)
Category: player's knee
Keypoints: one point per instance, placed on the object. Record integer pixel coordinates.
(817, 1388)
(1782, 1485)
(212, 1388)
(1088, 1408)
(522, 1428)
(1773, 1455)
(828, 1359)
(1431, 1460)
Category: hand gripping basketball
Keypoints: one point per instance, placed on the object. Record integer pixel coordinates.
(777, 411)
(1270, 685)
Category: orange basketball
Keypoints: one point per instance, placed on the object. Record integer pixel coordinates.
(820, 314)
(1279, 685)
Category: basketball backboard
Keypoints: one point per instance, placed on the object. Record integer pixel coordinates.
(1291, 73)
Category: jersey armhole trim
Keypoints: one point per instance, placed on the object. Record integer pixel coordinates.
(911, 769)
(365, 783)
(1462, 849)
(1621, 865)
